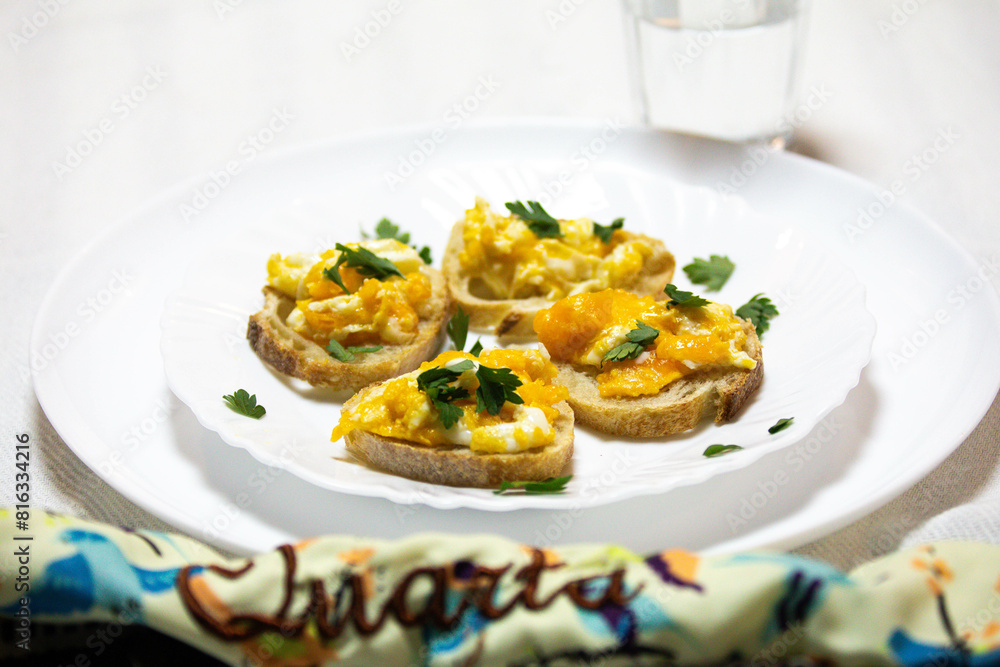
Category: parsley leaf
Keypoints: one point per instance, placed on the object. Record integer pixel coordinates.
(364, 261)
(338, 351)
(604, 232)
(458, 329)
(758, 310)
(245, 404)
(449, 414)
(712, 272)
(680, 298)
(333, 273)
(550, 485)
(435, 383)
(458, 332)
(386, 229)
(496, 385)
(541, 223)
(638, 339)
(341, 353)
(719, 450)
(781, 425)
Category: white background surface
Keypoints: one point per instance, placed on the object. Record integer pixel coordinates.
(178, 89)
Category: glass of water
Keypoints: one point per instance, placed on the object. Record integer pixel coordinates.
(727, 69)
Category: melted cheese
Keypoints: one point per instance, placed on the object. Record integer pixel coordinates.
(510, 262)
(582, 329)
(375, 311)
(399, 409)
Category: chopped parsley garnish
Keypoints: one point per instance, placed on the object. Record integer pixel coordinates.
(758, 310)
(458, 328)
(496, 386)
(681, 298)
(341, 353)
(435, 382)
(386, 229)
(551, 485)
(781, 425)
(364, 261)
(638, 339)
(604, 232)
(719, 450)
(541, 223)
(458, 332)
(242, 402)
(712, 272)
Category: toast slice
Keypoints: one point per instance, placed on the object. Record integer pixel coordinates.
(719, 393)
(512, 318)
(460, 466)
(292, 354)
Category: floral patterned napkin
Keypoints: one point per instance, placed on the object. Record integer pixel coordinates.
(435, 599)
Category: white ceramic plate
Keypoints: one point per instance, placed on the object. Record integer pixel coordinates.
(99, 375)
(814, 351)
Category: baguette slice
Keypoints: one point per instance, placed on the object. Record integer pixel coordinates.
(292, 354)
(514, 317)
(680, 406)
(460, 466)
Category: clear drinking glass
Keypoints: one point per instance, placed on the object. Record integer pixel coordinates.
(727, 69)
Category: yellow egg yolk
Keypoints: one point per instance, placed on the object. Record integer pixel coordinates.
(582, 329)
(508, 261)
(399, 409)
(371, 311)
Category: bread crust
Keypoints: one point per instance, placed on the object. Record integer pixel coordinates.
(513, 318)
(460, 466)
(292, 354)
(680, 406)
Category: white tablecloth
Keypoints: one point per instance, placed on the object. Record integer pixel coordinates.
(104, 105)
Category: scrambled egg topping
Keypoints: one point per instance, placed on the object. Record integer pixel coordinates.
(375, 311)
(399, 409)
(581, 329)
(510, 262)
